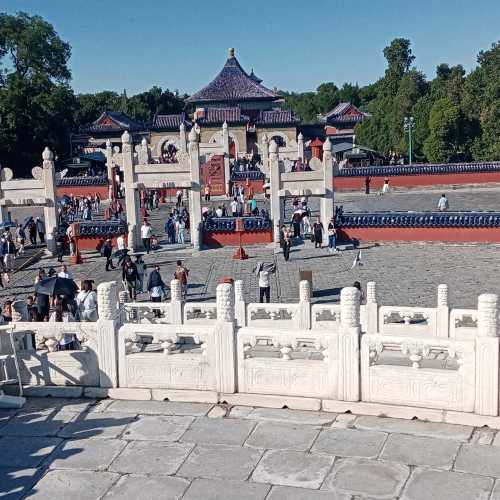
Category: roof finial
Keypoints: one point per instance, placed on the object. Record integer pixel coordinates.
(231, 52)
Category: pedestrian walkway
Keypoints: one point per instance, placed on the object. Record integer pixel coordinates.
(86, 449)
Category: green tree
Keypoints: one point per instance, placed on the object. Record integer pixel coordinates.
(36, 101)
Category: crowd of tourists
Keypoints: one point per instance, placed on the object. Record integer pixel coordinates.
(72, 208)
(252, 164)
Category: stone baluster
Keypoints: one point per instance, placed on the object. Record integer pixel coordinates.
(443, 312)
(195, 191)
(487, 358)
(107, 328)
(304, 305)
(176, 303)
(182, 138)
(109, 167)
(300, 147)
(224, 339)
(265, 154)
(225, 144)
(50, 208)
(239, 304)
(144, 152)
(371, 308)
(348, 345)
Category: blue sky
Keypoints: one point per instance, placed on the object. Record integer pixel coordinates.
(291, 45)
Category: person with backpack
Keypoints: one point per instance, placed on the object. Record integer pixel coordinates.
(129, 277)
(181, 273)
(87, 302)
(156, 288)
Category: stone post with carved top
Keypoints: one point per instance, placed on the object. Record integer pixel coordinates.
(195, 191)
(50, 209)
(176, 302)
(348, 347)
(443, 312)
(304, 305)
(239, 304)
(371, 308)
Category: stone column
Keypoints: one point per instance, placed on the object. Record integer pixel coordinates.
(176, 302)
(265, 154)
(225, 144)
(487, 346)
(182, 138)
(131, 196)
(109, 167)
(143, 156)
(443, 312)
(371, 308)
(50, 210)
(326, 202)
(300, 147)
(107, 333)
(239, 304)
(276, 208)
(348, 353)
(304, 319)
(225, 341)
(6, 175)
(195, 191)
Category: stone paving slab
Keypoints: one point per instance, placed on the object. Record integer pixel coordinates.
(292, 416)
(367, 478)
(220, 462)
(134, 487)
(204, 489)
(427, 484)
(146, 457)
(25, 451)
(157, 428)
(205, 430)
(98, 425)
(350, 443)
(478, 459)
(75, 485)
(417, 450)
(290, 493)
(160, 408)
(281, 436)
(85, 454)
(416, 427)
(46, 422)
(15, 483)
(292, 468)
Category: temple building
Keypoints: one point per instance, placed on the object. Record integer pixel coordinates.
(339, 123)
(249, 108)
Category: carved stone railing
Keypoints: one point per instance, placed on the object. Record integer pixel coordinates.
(96, 180)
(325, 317)
(200, 312)
(146, 312)
(101, 228)
(252, 175)
(420, 169)
(273, 315)
(229, 224)
(407, 321)
(419, 219)
(463, 324)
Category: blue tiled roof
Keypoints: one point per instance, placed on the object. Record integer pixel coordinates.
(276, 117)
(232, 84)
(171, 122)
(221, 115)
(119, 122)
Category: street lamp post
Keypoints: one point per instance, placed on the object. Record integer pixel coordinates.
(408, 125)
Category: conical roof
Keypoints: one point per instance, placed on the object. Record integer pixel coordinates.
(233, 84)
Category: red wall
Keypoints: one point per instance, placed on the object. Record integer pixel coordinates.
(83, 191)
(358, 183)
(444, 234)
(257, 185)
(90, 243)
(231, 238)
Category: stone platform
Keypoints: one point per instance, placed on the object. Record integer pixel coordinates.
(85, 449)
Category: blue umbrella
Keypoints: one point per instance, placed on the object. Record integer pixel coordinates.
(26, 222)
(7, 224)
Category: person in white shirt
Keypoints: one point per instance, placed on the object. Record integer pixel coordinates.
(263, 273)
(234, 207)
(218, 212)
(87, 302)
(146, 233)
(120, 242)
(180, 225)
(65, 273)
(443, 203)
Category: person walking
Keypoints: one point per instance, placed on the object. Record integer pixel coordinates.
(32, 232)
(107, 251)
(87, 302)
(443, 204)
(318, 233)
(332, 236)
(60, 238)
(367, 184)
(146, 233)
(385, 187)
(129, 277)
(40, 227)
(178, 195)
(234, 207)
(156, 288)
(296, 221)
(287, 242)
(207, 192)
(9, 256)
(263, 273)
(181, 273)
(141, 271)
(181, 226)
(21, 238)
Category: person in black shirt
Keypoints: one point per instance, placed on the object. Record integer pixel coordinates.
(129, 276)
(107, 251)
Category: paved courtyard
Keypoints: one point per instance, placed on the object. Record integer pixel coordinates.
(83, 449)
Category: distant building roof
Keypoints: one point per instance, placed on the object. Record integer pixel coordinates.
(113, 121)
(276, 117)
(344, 112)
(254, 77)
(233, 84)
(230, 115)
(170, 122)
